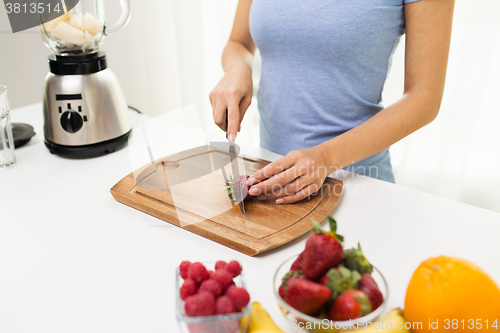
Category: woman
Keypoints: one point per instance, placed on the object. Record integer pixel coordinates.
(324, 64)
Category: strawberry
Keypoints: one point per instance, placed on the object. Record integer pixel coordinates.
(369, 286)
(340, 279)
(306, 296)
(233, 186)
(284, 279)
(323, 251)
(350, 304)
(354, 259)
(297, 264)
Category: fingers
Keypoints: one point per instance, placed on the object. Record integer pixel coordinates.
(300, 195)
(233, 117)
(278, 181)
(219, 113)
(272, 169)
(289, 189)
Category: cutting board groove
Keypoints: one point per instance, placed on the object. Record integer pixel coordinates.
(186, 190)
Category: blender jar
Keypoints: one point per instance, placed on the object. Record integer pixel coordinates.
(81, 29)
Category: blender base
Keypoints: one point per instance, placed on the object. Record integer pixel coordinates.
(96, 149)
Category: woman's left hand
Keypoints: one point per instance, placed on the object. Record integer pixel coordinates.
(294, 177)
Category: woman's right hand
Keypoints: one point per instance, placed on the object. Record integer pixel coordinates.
(233, 94)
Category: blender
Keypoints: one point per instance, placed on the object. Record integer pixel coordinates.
(85, 112)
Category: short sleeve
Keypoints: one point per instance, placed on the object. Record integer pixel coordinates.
(408, 1)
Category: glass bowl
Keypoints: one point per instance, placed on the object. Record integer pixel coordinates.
(301, 322)
(228, 323)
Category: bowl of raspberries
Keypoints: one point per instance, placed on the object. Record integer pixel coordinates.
(329, 288)
(212, 297)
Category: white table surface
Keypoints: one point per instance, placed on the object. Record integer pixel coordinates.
(72, 259)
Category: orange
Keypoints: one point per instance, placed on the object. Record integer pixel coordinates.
(455, 293)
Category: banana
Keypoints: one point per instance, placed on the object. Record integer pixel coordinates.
(260, 321)
(88, 22)
(49, 26)
(72, 35)
(394, 322)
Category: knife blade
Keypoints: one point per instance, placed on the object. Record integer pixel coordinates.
(236, 175)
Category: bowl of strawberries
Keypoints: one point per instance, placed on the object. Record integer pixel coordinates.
(211, 297)
(328, 288)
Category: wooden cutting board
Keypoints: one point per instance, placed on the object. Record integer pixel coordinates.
(188, 190)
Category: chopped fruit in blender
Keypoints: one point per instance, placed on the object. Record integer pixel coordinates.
(350, 304)
(90, 24)
(69, 34)
(49, 26)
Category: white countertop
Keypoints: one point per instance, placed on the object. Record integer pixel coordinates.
(72, 259)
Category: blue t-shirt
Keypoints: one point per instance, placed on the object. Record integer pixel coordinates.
(324, 64)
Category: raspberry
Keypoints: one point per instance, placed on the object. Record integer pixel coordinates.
(210, 272)
(224, 305)
(223, 277)
(197, 272)
(220, 265)
(239, 296)
(189, 288)
(234, 268)
(201, 304)
(183, 269)
(211, 286)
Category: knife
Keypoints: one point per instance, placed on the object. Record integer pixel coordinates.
(236, 175)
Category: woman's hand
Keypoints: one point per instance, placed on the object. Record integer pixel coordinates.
(294, 177)
(233, 94)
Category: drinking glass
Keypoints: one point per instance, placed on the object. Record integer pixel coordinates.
(7, 157)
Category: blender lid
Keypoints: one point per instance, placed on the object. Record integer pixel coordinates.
(77, 64)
